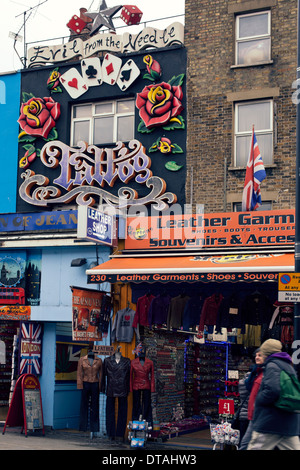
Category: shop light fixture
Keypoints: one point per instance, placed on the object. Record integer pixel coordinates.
(78, 262)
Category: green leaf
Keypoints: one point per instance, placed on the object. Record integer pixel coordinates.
(30, 148)
(148, 77)
(177, 80)
(27, 138)
(172, 166)
(26, 96)
(176, 149)
(53, 134)
(143, 129)
(56, 90)
(154, 146)
(175, 124)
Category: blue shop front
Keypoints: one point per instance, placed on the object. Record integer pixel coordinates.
(41, 261)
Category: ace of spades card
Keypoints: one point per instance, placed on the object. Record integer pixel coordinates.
(74, 83)
(91, 71)
(128, 74)
(111, 66)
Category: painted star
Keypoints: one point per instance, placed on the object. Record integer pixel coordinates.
(103, 17)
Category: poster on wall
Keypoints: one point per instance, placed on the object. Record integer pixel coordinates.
(12, 269)
(33, 277)
(20, 276)
(86, 310)
(30, 348)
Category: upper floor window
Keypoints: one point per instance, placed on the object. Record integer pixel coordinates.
(259, 114)
(103, 123)
(265, 206)
(253, 38)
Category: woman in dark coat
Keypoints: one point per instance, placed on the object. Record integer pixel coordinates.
(272, 426)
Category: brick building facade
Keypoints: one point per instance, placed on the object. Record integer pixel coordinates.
(219, 79)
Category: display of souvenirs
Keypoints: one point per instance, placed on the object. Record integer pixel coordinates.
(243, 318)
(192, 377)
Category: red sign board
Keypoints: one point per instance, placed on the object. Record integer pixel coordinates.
(226, 407)
(25, 409)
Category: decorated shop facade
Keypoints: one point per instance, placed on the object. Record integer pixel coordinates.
(102, 150)
(100, 125)
(200, 293)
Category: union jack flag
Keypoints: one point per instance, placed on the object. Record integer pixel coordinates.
(255, 174)
(30, 348)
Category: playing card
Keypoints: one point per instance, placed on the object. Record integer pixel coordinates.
(73, 83)
(111, 66)
(91, 71)
(128, 74)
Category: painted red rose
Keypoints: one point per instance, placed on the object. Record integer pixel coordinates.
(158, 104)
(38, 116)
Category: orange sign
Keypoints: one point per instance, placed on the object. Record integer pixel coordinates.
(217, 230)
(15, 312)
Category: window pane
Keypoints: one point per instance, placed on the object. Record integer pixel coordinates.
(265, 144)
(242, 150)
(81, 131)
(254, 25)
(251, 52)
(103, 108)
(125, 106)
(125, 128)
(82, 111)
(265, 206)
(103, 130)
(257, 114)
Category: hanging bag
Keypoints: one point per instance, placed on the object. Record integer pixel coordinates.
(236, 423)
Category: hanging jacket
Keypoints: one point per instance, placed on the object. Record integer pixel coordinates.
(192, 312)
(158, 311)
(116, 376)
(210, 310)
(142, 310)
(87, 372)
(230, 313)
(175, 312)
(257, 309)
(142, 375)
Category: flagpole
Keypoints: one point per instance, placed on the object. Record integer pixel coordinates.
(297, 208)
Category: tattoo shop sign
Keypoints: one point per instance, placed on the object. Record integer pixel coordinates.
(148, 37)
(84, 173)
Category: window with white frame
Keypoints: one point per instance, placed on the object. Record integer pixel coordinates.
(253, 38)
(265, 206)
(104, 122)
(260, 115)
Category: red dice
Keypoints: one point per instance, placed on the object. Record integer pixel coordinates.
(130, 14)
(76, 24)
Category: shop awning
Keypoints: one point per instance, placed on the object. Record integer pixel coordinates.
(233, 268)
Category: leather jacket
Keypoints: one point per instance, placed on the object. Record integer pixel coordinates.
(142, 375)
(87, 372)
(116, 376)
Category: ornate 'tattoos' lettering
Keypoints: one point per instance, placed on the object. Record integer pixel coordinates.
(86, 169)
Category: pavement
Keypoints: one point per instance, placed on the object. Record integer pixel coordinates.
(71, 440)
